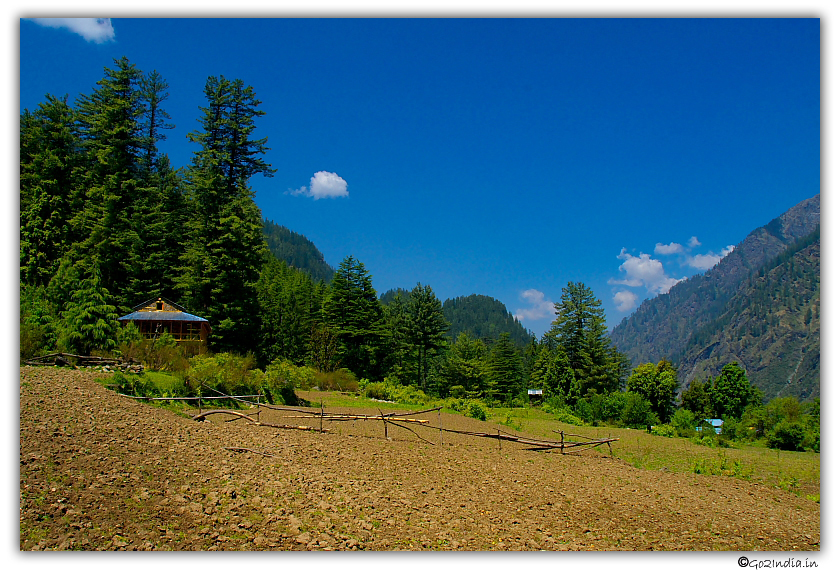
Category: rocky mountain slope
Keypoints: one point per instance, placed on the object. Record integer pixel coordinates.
(751, 307)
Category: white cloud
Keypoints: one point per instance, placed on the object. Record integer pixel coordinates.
(644, 271)
(709, 260)
(323, 184)
(669, 249)
(693, 242)
(96, 30)
(625, 300)
(540, 308)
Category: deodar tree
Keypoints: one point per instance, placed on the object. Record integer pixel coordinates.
(222, 261)
(580, 330)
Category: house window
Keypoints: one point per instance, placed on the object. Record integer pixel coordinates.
(159, 305)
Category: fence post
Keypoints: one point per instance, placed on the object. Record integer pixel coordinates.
(499, 436)
(322, 415)
(440, 428)
(562, 444)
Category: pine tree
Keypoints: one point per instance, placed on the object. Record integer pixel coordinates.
(288, 306)
(398, 331)
(467, 366)
(153, 91)
(580, 330)
(222, 261)
(427, 329)
(111, 136)
(49, 191)
(506, 369)
(89, 320)
(352, 309)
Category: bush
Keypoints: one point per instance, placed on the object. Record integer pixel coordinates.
(637, 413)
(227, 373)
(161, 354)
(134, 385)
(684, 423)
(477, 410)
(341, 380)
(583, 410)
(665, 430)
(612, 406)
(787, 435)
(566, 416)
(281, 378)
(376, 391)
(457, 391)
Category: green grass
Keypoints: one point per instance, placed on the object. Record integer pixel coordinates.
(797, 472)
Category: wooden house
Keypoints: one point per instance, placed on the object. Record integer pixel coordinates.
(157, 316)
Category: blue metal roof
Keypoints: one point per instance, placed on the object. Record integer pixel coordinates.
(161, 316)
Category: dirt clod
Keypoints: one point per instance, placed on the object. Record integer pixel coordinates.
(102, 472)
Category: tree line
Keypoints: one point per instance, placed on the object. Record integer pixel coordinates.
(107, 222)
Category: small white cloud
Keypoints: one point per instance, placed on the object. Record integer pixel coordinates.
(540, 308)
(323, 184)
(625, 300)
(693, 242)
(670, 249)
(96, 30)
(709, 260)
(644, 270)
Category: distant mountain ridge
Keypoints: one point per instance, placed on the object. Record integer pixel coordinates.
(484, 318)
(481, 316)
(670, 325)
(297, 251)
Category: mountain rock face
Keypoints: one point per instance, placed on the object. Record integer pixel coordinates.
(759, 306)
(296, 250)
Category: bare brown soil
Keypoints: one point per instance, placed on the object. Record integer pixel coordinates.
(102, 472)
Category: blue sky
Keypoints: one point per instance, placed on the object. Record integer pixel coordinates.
(503, 157)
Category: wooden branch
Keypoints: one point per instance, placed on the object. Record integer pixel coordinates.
(336, 418)
(409, 429)
(302, 428)
(243, 449)
(203, 415)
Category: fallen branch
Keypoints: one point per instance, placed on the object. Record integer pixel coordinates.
(340, 418)
(201, 416)
(243, 449)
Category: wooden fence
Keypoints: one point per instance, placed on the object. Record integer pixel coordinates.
(401, 420)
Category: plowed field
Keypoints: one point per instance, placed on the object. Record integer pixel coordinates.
(103, 472)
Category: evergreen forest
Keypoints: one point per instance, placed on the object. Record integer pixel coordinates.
(107, 222)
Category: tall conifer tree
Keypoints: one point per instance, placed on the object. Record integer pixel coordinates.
(222, 262)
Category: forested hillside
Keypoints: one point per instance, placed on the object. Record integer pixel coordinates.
(107, 223)
(483, 317)
(296, 250)
(698, 318)
(771, 326)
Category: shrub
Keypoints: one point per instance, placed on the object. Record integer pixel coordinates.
(476, 410)
(612, 407)
(684, 423)
(376, 391)
(134, 385)
(457, 391)
(637, 413)
(406, 394)
(566, 416)
(341, 380)
(787, 435)
(665, 430)
(554, 404)
(583, 410)
(226, 373)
